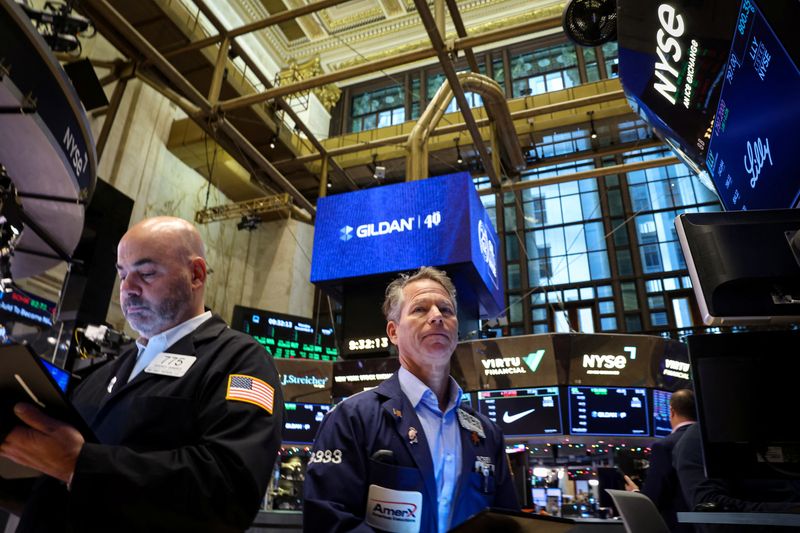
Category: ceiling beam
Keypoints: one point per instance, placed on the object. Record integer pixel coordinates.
(458, 92)
(461, 31)
(390, 62)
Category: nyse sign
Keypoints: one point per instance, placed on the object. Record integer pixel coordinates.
(608, 364)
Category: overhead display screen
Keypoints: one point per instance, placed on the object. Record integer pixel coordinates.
(301, 421)
(751, 156)
(18, 305)
(608, 411)
(286, 336)
(661, 425)
(438, 221)
(523, 412)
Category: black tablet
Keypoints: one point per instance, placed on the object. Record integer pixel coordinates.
(25, 378)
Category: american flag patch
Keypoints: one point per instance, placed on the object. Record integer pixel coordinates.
(251, 390)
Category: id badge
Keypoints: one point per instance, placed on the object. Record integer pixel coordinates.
(398, 511)
(170, 364)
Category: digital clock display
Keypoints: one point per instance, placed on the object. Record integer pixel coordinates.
(372, 343)
(286, 336)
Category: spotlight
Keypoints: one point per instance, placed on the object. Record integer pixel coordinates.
(459, 159)
(57, 25)
(248, 222)
(273, 141)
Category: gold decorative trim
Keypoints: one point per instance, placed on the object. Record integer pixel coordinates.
(359, 19)
(545, 12)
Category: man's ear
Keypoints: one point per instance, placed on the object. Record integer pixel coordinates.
(391, 331)
(199, 272)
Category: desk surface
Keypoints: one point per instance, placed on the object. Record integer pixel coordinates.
(754, 519)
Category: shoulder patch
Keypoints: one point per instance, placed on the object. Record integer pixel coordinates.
(249, 389)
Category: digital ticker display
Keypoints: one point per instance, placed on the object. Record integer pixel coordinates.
(523, 412)
(661, 425)
(301, 421)
(286, 336)
(751, 154)
(608, 411)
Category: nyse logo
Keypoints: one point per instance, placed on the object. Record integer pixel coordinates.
(608, 364)
(346, 233)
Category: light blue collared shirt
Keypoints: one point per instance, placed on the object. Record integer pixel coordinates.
(162, 341)
(443, 436)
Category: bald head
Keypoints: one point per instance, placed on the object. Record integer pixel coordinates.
(681, 407)
(162, 269)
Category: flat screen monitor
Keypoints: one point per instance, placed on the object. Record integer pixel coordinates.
(608, 411)
(523, 412)
(466, 399)
(743, 265)
(286, 336)
(752, 151)
(539, 497)
(746, 392)
(661, 425)
(59, 374)
(301, 421)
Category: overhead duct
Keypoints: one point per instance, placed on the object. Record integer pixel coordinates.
(497, 111)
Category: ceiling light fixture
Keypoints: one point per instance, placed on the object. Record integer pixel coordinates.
(459, 160)
(593, 133)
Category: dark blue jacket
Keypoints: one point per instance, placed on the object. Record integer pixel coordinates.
(662, 485)
(344, 463)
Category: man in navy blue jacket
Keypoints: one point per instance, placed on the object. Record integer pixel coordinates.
(662, 485)
(407, 456)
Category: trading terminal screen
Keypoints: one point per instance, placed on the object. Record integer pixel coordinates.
(301, 421)
(608, 411)
(523, 412)
(661, 425)
(286, 336)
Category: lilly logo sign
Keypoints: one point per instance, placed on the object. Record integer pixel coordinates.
(608, 364)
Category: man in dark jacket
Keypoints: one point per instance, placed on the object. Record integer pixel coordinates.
(662, 484)
(407, 456)
(188, 422)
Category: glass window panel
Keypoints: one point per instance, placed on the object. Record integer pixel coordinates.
(660, 196)
(640, 197)
(384, 119)
(670, 284)
(615, 203)
(513, 277)
(598, 264)
(575, 238)
(659, 319)
(655, 302)
(579, 268)
(536, 85)
(541, 328)
(682, 312)
(572, 208)
(672, 256)
(554, 239)
(398, 115)
(571, 187)
(595, 236)
(630, 301)
(587, 185)
(605, 291)
(553, 297)
(590, 204)
(587, 293)
(686, 282)
(369, 122)
(571, 295)
(512, 248)
(624, 263)
(653, 285)
(586, 320)
(620, 232)
(606, 307)
(560, 274)
(608, 323)
(510, 216)
(651, 258)
(552, 211)
(515, 311)
(539, 314)
(535, 244)
(562, 321)
(633, 323)
(538, 297)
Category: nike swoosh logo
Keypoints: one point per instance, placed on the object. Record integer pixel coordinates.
(513, 418)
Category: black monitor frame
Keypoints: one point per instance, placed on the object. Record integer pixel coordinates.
(745, 389)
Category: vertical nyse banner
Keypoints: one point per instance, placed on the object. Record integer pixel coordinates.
(439, 222)
(752, 154)
(672, 58)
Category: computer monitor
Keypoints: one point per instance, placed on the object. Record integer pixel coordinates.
(59, 374)
(608, 411)
(745, 389)
(523, 412)
(301, 421)
(743, 265)
(661, 425)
